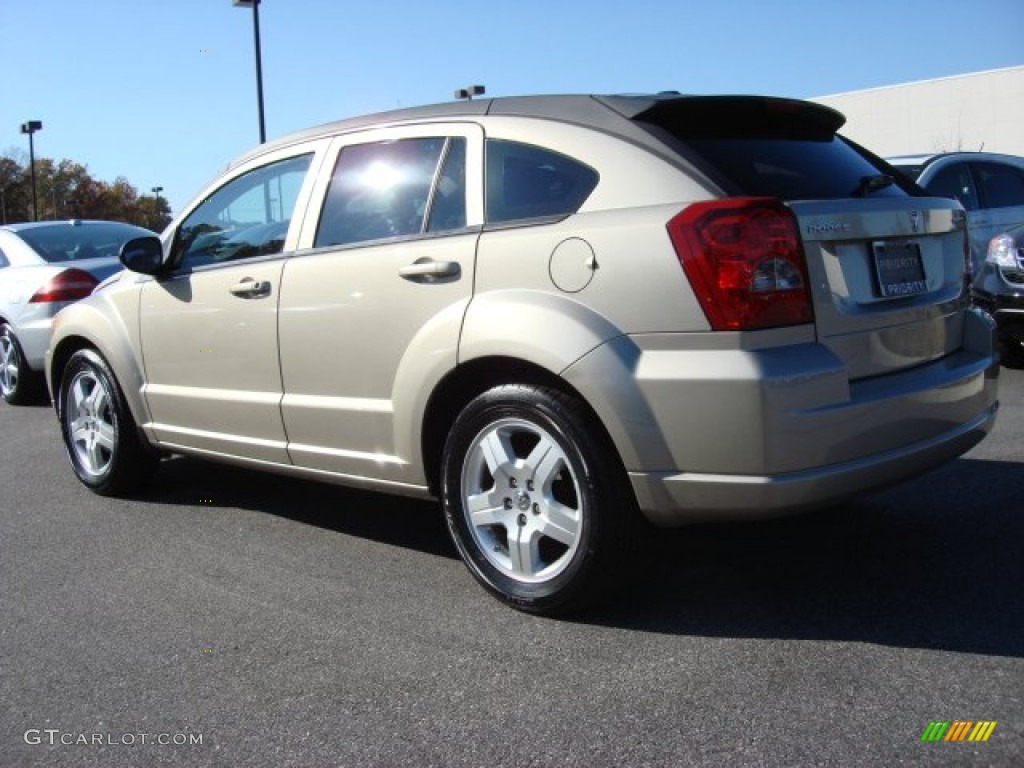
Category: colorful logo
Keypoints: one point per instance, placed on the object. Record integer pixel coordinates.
(958, 730)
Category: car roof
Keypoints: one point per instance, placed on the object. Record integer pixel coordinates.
(611, 113)
(928, 159)
(23, 225)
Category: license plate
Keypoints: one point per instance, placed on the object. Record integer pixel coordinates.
(899, 268)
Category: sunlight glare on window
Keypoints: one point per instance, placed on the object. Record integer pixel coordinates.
(381, 176)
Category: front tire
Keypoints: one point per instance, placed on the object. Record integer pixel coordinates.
(100, 435)
(19, 385)
(1012, 351)
(534, 499)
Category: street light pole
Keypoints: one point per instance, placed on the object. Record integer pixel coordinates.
(255, 4)
(156, 208)
(30, 128)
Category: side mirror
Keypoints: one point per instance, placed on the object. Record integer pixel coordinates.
(143, 254)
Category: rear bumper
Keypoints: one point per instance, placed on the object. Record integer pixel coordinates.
(33, 327)
(715, 434)
(672, 499)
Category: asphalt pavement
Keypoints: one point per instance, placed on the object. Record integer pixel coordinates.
(229, 618)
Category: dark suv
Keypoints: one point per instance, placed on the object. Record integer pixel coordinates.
(999, 290)
(990, 187)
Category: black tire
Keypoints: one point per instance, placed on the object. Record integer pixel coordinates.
(1012, 352)
(19, 384)
(552, 528)
(100, 435)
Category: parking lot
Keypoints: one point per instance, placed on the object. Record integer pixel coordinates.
(231, 618)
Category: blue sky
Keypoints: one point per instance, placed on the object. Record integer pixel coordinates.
(163, 91)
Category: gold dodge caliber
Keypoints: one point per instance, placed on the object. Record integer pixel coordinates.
(557, 314)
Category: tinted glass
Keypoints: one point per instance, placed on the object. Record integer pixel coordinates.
(448, 204)
(1002, 186)
(791, 169)
(770, 147)
(247, 217)
(954, 181)
(75, 242)
(910, 171)
(379, 190)
(3, 260)
(526, 182)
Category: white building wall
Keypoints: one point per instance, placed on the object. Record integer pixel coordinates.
(977, 111)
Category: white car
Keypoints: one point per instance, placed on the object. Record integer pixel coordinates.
(44, 266)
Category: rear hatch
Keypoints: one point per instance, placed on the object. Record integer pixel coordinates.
(885, 263)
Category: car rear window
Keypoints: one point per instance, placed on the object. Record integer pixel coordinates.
(1002, 185)
(771, 147)
(75, 242)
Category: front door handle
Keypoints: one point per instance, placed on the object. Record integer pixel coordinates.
(251, 289)
(428, 270)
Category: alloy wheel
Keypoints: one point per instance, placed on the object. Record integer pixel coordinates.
(522, 500)
(9, 371)
(90, 423)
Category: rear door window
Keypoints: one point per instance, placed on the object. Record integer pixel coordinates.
(955, 182)
(530, 182)
(393, 189)
(1002, 186)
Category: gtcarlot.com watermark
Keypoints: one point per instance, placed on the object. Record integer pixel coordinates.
(55, 737)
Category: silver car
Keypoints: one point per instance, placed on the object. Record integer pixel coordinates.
(561, 316)
(990, 187)
(44, 266)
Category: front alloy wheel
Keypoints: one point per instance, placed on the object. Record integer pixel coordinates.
(99, 432)
(91, 425)
(533, 498)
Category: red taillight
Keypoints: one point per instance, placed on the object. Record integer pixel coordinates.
(744, 260)
(69, 285)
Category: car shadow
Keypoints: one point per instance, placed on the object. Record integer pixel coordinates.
(397, 520)
(933, 563)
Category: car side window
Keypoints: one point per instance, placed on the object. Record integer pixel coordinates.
(385, 189)
(527, 182)
(1002, 186)
(954, 181)
(3, 260)
(448, 202)
(247, 217)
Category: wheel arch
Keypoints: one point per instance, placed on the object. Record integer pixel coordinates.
(76, 329)
(471, 379)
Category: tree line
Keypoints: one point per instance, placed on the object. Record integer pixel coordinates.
(66, 190)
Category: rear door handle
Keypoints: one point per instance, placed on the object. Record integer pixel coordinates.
(251, 289)
(428, 269)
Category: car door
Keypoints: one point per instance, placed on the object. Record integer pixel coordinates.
(372, 308)
(209, 327)
(1001, 191)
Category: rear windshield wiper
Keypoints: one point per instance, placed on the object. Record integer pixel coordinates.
(869, 184)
